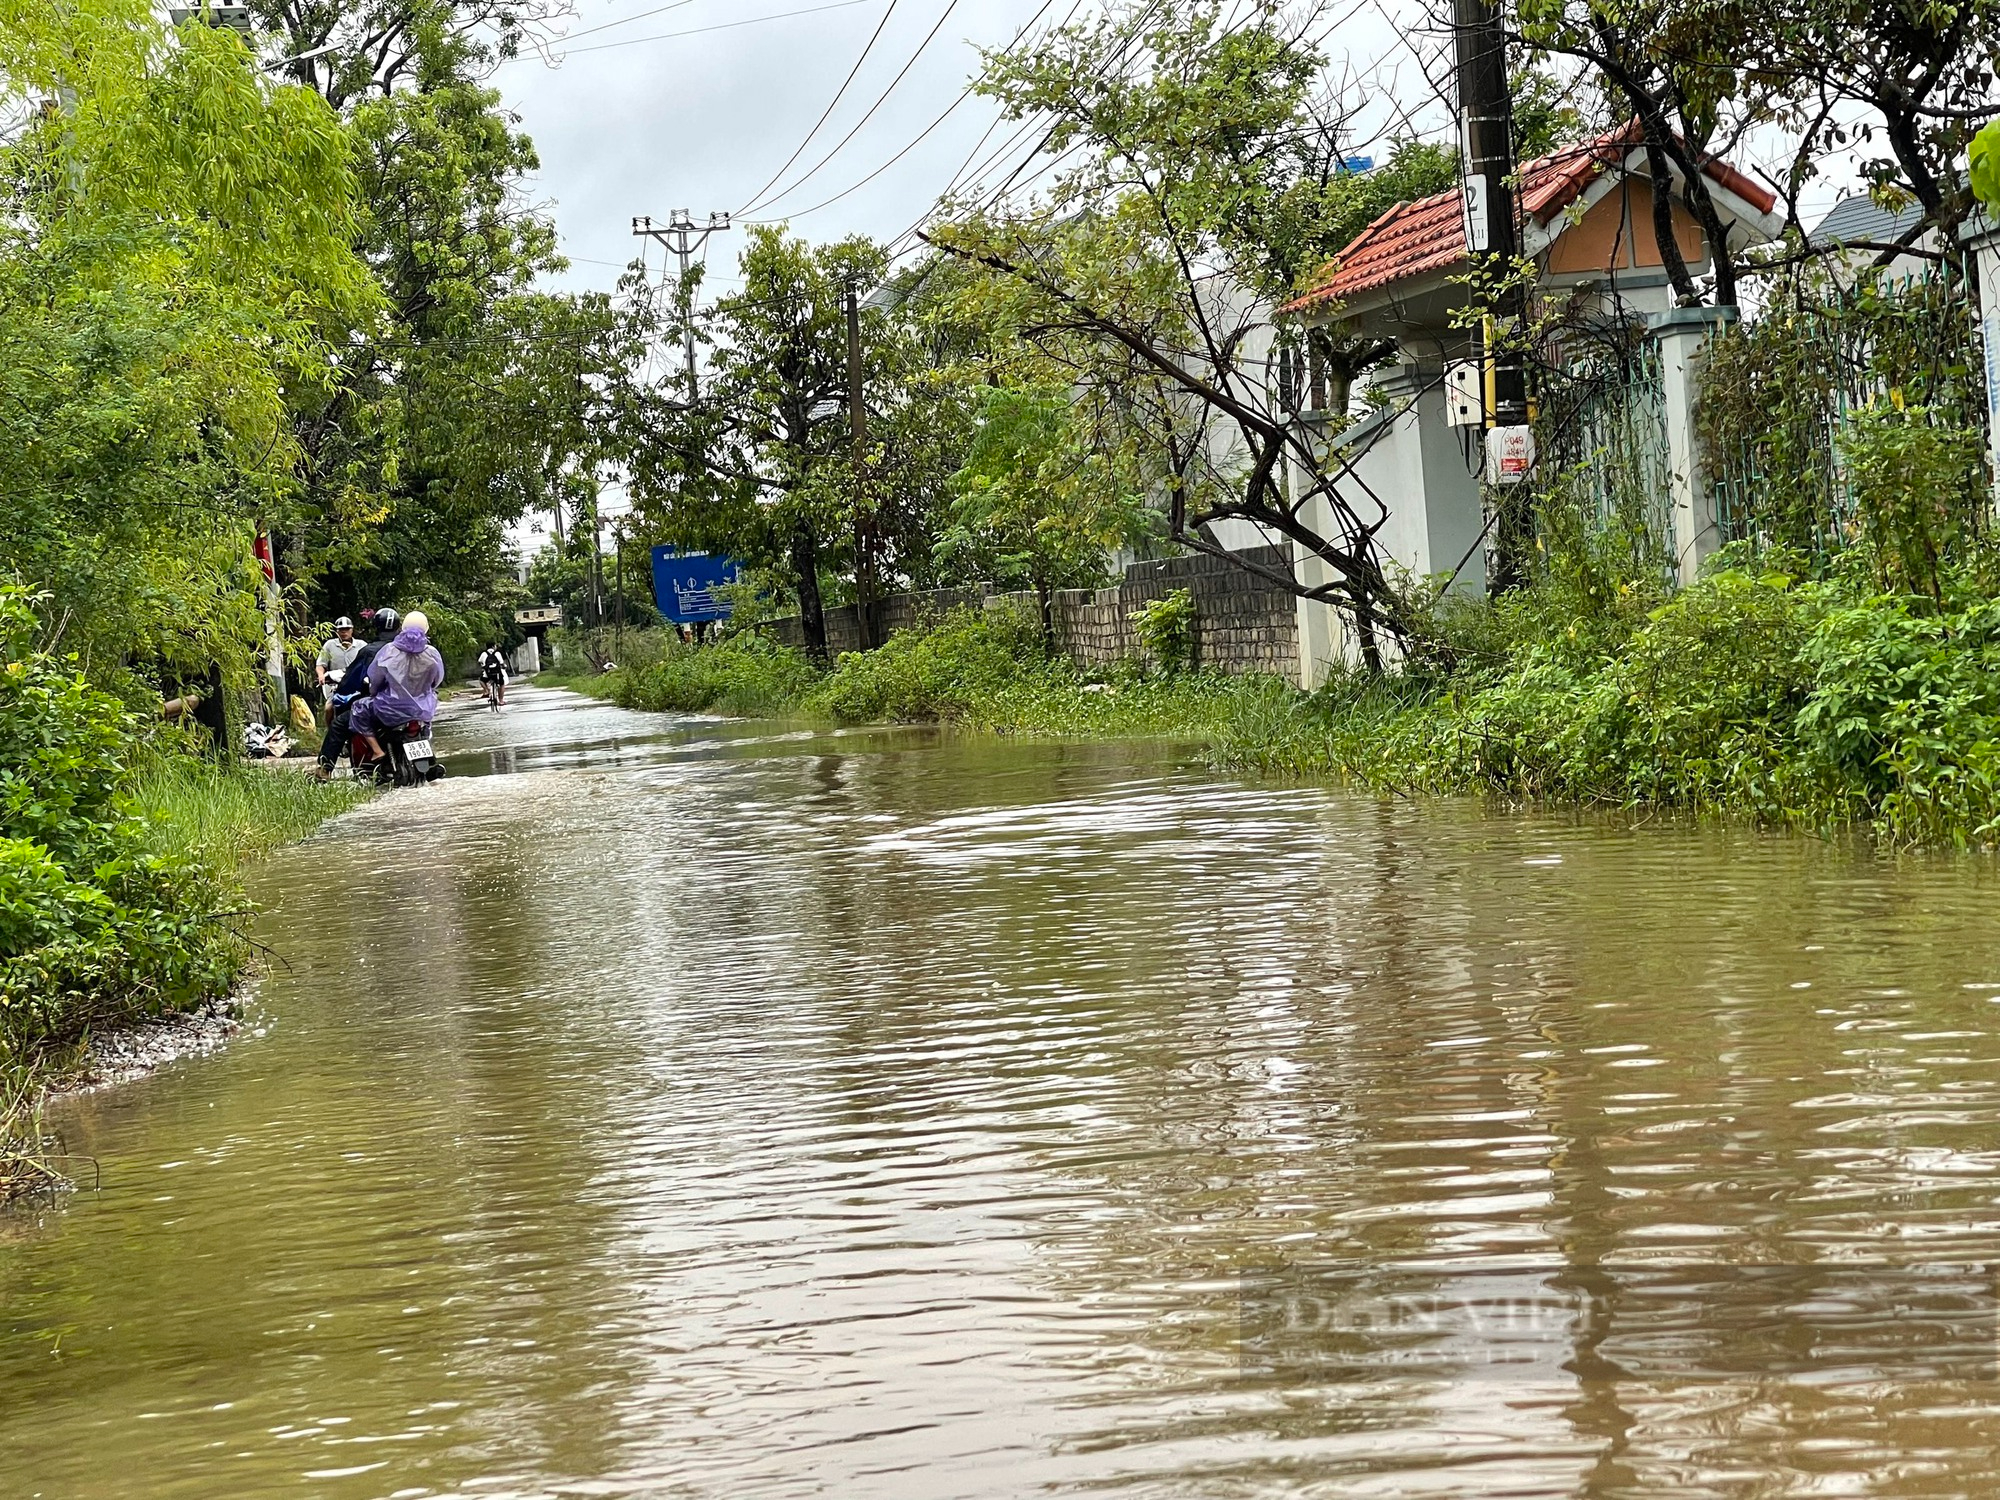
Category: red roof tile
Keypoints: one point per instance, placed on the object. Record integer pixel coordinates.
(1415, 239)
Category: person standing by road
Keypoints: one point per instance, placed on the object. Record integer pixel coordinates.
(335, 657)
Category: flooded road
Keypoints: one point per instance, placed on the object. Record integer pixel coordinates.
(695, 1110)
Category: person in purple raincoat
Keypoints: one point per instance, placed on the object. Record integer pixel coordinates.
(403, 683)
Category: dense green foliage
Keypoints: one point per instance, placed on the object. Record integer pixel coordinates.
(1896, 368)
(93, 924)
(175, 264)
(973, 668)
(306, 308)
(114, 895)
(1811, 702)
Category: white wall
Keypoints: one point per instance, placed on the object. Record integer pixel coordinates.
(1413, 465)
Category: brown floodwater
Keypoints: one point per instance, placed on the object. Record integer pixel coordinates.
(693, 1109)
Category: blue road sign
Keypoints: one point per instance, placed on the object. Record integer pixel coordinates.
(684, 584)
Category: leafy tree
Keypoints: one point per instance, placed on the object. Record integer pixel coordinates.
(1907, 80)
(1673, 67)
(1198, 177)
(348, 50)
(175, 259)
(1036, 502)
(763, 467)
(1921, 76)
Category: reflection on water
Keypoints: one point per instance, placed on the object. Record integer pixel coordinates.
(706, 1111)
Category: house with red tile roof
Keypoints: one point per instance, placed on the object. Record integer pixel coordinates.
(1586, 216)
(1586, 220)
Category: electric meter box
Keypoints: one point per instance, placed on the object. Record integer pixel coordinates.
(1462, 404)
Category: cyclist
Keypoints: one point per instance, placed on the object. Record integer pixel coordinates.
(493, 675)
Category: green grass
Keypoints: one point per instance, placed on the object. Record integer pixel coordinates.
(978, 670)
(1821, 704)
(224, 815)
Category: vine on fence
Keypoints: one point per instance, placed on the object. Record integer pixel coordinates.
(1792, 401)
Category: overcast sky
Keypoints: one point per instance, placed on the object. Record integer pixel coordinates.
(702, 121)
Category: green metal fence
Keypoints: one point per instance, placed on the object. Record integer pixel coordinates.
(1603, 438)
(1778, 393)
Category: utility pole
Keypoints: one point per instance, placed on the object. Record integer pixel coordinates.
(596, 562)
(857, 421)
(1485, 110)
(683, 236)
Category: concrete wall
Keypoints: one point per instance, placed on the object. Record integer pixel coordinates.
(1408, 463)
(898, 612)
(1243, 623)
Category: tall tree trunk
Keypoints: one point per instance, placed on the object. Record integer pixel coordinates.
(812, 610)
(1045, 598)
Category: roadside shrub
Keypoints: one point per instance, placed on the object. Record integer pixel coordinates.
(742, 675)
(1815, 703)
(946, 670)
(94, 925)
(1167, 631)
(1918, 485)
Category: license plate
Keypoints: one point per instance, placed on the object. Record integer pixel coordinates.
(418, 750)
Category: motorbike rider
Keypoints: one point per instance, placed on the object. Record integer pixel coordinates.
(493, 674)
(403, 683)
(353, 684)
(335, 657)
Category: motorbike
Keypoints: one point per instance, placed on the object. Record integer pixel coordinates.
(408, 758)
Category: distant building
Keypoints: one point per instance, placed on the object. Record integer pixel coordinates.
(1855, 229)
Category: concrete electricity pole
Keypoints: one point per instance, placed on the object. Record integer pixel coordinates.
(857, 420)
(683, 236)
(1486, 117)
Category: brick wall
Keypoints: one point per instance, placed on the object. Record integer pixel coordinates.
(1243, 623)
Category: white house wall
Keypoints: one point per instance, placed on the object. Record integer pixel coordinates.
(1412, 465)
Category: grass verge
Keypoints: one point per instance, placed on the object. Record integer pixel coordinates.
(980, 670)
(1815, 703)
(223, 815)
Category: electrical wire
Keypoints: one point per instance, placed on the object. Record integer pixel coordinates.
(882, 99)
(839, 94)
(644, 15)
(633, 41)
(920, 138)
(898, 246)
(925, 133)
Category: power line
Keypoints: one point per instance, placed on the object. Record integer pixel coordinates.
(882, 99)
(628, 20)
(839, 94)
(633, 41)
(1000, 154)
(926, 131)
(857, 186)
(1132, 37)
